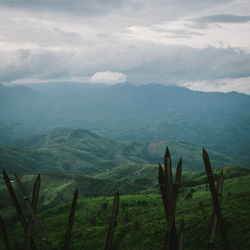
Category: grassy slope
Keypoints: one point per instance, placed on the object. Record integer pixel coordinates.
(58, 188)
(141, 221)
(70, 151)
(79, 151)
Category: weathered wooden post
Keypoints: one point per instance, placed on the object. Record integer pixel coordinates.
(215, 198)
(112, 222)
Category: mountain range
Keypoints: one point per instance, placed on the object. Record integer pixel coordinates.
(128, 112)
(147, 114)
(79, 151)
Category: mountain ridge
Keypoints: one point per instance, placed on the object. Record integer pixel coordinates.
(79, 151)
(139, 113)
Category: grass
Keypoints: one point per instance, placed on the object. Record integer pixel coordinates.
(141, 219)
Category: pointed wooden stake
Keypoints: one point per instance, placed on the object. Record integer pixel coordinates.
(31, 212)
(163, 188)
(71, 220)
(18, 208)
(214, 219)
(170, 227)
(5, 237)
(181, 235)
(112, 222)
(35, 194)
(168, 173)
(215, 199)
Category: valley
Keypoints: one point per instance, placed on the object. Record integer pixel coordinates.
(107, 138)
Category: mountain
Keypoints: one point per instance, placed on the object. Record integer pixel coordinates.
(79, 151)
(125, 112)
(11, 131)
(70, 151)
(128, 112)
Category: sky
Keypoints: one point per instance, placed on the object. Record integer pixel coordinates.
(203, 45)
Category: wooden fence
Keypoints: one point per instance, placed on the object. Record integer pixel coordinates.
(169, 194)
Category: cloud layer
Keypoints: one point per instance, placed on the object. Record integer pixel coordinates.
(169, 42)
(108, 77)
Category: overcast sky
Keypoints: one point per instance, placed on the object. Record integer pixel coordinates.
(200, 44)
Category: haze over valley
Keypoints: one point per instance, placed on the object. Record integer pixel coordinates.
(132, 99)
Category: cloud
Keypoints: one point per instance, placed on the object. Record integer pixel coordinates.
(141, 63)
(202, 22)
(241, 85)
(222, 18)
(108, 77)
(80, 7)
(146, 40)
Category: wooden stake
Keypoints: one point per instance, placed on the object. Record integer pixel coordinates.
(71, 220)
(35, 194)
(17, 206)
(215, 199)
(32, 213)
(112, 222)
(5, 237)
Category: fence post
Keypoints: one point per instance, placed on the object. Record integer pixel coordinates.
(215, 199)
(18, 208)
(71, 220)
(31, 211)
(35, 194)
(5, 237)
(112, 222)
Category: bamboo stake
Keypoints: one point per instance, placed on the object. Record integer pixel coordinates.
(181, 235)
(174, 244)
(214, 219)
(163, 188)
(17, 206)
(168, 173)
(169, 187)
(71, 220)
(5, 237)
(112, 222)
(215, 199)
(32, 213)
(35, 194)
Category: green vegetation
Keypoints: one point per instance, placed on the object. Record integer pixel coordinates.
(125, 112)
(141, 219)
(79, 151)
(11, 131)
(153, 116)
(57, 189)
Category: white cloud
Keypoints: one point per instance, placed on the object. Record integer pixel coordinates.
(147, 40)
(241, 85)
(108, 77)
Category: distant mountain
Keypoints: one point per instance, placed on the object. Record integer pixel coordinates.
(69, 151)
(125, 112)
(128, 112)
(79, 151)
(11, 131)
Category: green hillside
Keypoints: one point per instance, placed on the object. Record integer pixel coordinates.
(70, 151)
(79, 151)
(57, 189)
(141, 219)
(125, 112)
(11, 131)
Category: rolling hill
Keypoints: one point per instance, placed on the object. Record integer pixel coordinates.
(79, 151)
(142, 217)
(125, 112)
(58, 188)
